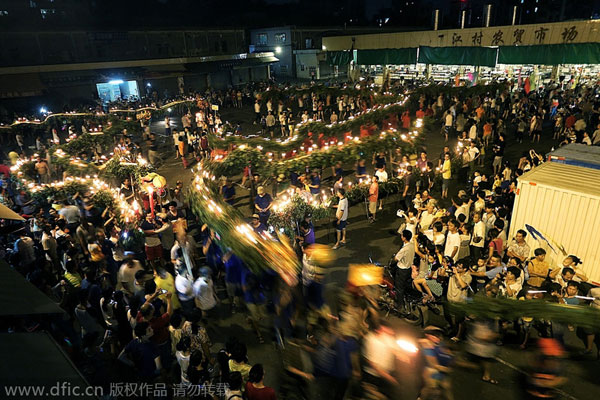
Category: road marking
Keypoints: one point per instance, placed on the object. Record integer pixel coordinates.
(519, 370)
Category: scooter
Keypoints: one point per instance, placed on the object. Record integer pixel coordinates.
(416, 312)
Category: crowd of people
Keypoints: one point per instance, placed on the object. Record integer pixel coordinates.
(151, 313)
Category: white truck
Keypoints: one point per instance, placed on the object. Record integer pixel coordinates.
(559, 206)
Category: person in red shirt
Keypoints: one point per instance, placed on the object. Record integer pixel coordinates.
(5, 169)
(255, 388)
(321, 140)
(308, 142)
(373, 196)
(420, 113)
(159, 325)
(570, 121)
(406, 120)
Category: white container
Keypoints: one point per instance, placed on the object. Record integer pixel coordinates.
(562, 202)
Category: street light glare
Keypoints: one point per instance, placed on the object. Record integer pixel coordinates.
(278, 49)
(407, 345)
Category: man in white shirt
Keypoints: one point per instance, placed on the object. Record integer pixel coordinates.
(427, 216)
(448, 124)
(382, 176)
(519, 247)
(70, 214)
(183, 252)
(489, 218)
(380, 351)
(184, 287)
(404, 258)
(452, 240)
(458, 291)
(449, 120)
(473, 132)
(478, 237)
(463, 207)
(126, 275)
(186, 121)
(510, 286)
(204, 292)
(50, 246)
(473, 153)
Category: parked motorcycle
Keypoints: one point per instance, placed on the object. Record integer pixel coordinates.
(416, 311)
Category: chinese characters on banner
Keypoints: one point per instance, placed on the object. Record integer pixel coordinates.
(516, 35)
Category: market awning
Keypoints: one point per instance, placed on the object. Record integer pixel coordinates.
(7, 213)
(19, 297)
(551, 54)
(478, 56)
(265, 56)
(219, 65)
(36, 360)
(387, 56)
(339, 58)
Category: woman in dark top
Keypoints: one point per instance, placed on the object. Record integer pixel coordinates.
(361, 170)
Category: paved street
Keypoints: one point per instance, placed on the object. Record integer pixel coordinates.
(375, 240)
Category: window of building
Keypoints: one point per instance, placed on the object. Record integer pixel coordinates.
(308, 43)
(47, 11)
(280, 37)
(301, 67)
(262, 38)
(224, 46)
(3, 13)
(217, 47)
(32, 4)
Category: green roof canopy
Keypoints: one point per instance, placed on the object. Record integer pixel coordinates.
(339, 58)
(479, 56)
(551, 54)
(387, 56)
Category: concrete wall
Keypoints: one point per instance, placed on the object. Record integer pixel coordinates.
(305, 62)
(259, 73)
(241, 76)
(276, 39)
(39, 48)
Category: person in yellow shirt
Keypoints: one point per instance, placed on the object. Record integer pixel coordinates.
(538, 268)
(72, 274)
(14, 157)
(446, 174)
(239, 361)
(164, 280)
